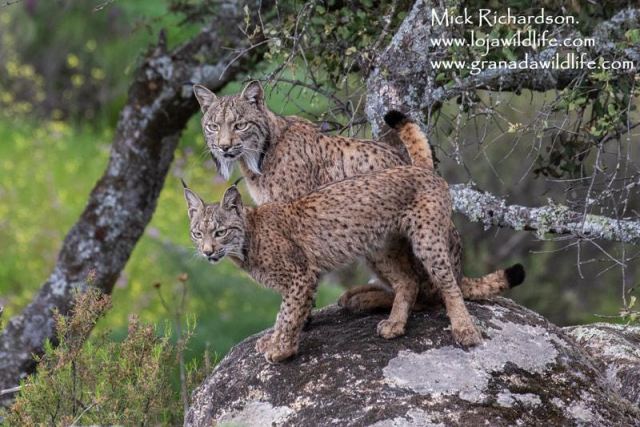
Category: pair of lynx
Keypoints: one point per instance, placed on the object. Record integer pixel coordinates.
(325, 200)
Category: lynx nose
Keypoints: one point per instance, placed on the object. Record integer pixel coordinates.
(225, 148)
(207, 250)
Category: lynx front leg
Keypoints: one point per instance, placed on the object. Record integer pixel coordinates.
(294, 312)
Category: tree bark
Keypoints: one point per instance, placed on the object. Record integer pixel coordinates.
(159, 104)
(404, 78)
(553, 218)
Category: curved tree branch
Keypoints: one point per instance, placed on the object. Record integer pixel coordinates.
(122, 203)
(404, 77)
(556, 219)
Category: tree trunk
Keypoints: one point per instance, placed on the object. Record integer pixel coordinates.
(159, 104)
(405, 79)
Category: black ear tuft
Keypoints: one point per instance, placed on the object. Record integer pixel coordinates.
(204, 96)
(194, 202)
(235, 184)
(232, 199)
(515, 275)
(395, 118)
(253, 93)
(184, 184)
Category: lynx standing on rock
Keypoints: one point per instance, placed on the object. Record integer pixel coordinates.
(284, 158)
(288, 246)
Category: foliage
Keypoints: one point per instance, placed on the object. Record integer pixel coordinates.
(330, 46)
(340, 37)
(100, 381)
(73, 60)
(596, 103)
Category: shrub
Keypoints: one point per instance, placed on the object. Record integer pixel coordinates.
(100, 381)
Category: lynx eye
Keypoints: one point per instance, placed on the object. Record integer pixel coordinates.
(241, 126)
(221, 233)
(213, 127)
(196, 234)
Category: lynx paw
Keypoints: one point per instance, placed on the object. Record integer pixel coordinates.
(467, 336)
(366, 301)
(275, 354)
(344, 299)
(389, 329)
(263, 344)
(351, 302)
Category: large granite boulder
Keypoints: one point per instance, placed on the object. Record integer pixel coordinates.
(615, 349)
(528, 372)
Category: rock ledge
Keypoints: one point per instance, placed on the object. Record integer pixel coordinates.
(528, 372)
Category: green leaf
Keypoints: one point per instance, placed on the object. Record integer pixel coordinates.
(562, 105)
(509, 54)
(633, 36)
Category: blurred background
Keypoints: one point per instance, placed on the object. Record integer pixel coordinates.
(64, 71)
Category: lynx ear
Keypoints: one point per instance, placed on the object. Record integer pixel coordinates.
(204, 96)
(253, 93)
(194, 203)
(232, 199)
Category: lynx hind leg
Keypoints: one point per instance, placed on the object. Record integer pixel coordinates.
(394, 267)
(372, 296)
(455, 252)
(432, 250)
(429, 295)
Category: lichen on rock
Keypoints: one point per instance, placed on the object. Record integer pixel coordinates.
(528, 372)
(615, 349)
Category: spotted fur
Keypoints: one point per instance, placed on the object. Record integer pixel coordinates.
(284, 158)
(287, 246)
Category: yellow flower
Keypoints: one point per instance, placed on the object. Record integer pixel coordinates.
(72, 60)
(98, 74)
(27, 71)
(77, 80)
(91, 45)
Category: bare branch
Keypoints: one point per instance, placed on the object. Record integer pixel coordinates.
(405, 78)
(553, 218)
(9, 2)
(10, 390)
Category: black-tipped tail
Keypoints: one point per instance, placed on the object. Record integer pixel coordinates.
(515, 275)
(395, 118)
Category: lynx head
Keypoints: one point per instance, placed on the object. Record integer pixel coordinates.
(217, 229)
(235, 126)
